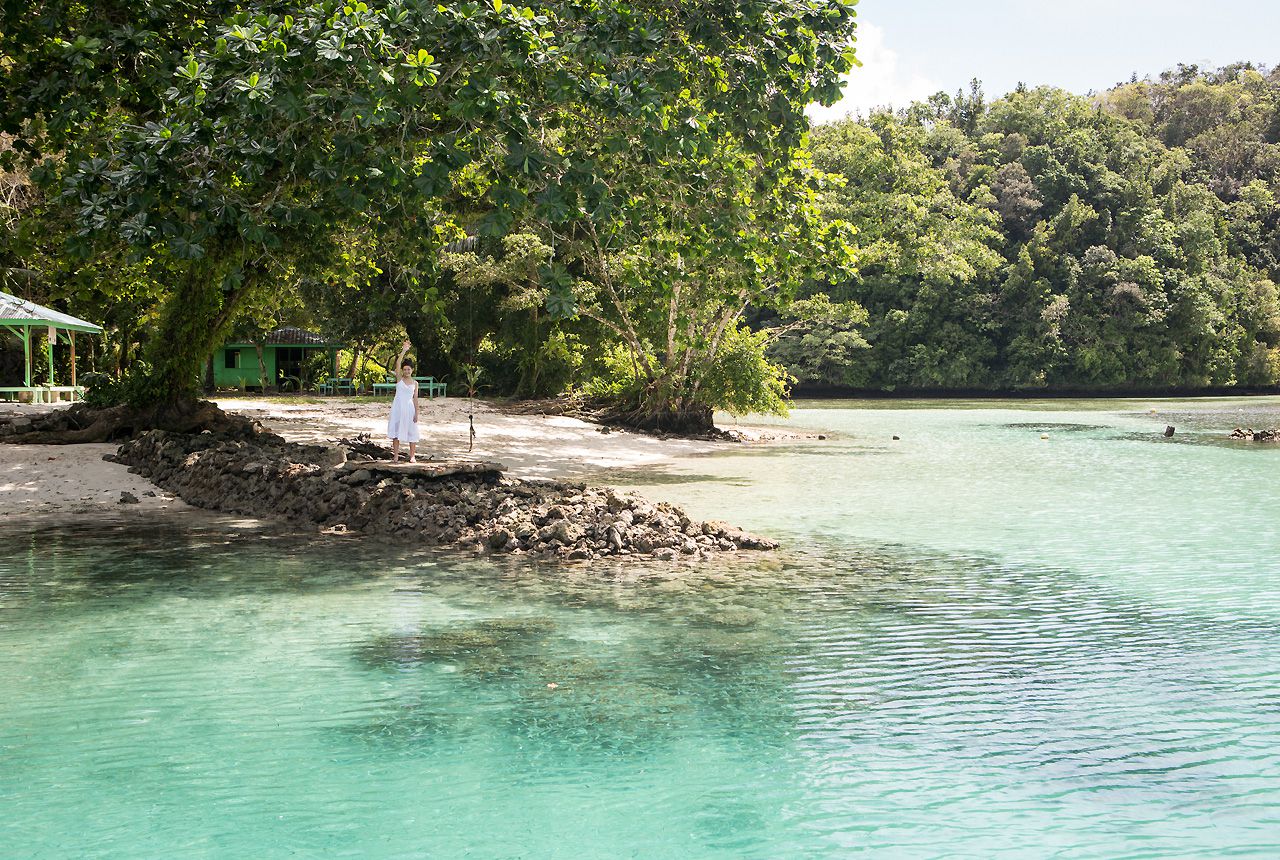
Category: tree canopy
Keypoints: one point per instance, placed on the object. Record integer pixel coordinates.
(241, 141)
(627, 200)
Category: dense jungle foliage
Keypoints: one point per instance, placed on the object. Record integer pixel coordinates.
(1047, 240)
(623, 201)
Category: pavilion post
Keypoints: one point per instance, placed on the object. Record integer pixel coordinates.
(48, 348)
(26, 353)
(73, 359)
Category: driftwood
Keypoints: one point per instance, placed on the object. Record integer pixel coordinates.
(426, 468)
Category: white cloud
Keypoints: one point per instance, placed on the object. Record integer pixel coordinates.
(876, 83)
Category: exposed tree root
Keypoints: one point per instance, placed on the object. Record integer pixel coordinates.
(688, 423)
(82, 423)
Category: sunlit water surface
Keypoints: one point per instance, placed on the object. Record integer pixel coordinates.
(979, 643)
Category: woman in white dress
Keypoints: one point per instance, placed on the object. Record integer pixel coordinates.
(402, 426)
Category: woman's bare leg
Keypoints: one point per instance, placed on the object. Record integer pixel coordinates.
(395, 450)
(413, 451)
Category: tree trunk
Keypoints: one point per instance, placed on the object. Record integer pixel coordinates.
(359, 366)
(262, 367)
(195, 321)
(357, 352)
(121, 353)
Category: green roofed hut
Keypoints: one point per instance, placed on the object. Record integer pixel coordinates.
(285, 352)
(22, 319)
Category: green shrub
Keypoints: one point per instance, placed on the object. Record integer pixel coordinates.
(614, 376)
(742, 380)
(137, 386)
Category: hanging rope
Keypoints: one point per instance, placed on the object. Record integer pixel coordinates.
(471, 381)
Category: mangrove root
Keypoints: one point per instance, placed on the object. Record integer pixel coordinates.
(82, 423)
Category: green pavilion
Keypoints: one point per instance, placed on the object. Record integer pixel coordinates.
(286, 360)
(24, 320)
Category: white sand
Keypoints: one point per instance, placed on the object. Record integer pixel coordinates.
(528, 445)
(72, 479)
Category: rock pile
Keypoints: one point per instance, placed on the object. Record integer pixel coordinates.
(1256, 435)
(466, 505)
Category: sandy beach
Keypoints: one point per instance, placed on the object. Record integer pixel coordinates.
(530, 446)
(41, 480)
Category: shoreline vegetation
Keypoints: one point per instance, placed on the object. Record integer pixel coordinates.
(1120, 241)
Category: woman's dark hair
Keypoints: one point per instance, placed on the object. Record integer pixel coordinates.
(408, 362)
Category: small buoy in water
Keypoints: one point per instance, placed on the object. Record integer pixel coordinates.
(553, 685)
(895, 438)
(1168, 431)
(1044, 435)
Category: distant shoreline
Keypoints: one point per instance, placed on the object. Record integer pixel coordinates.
(834, 392)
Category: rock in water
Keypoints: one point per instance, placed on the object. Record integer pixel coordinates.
(1168, 431)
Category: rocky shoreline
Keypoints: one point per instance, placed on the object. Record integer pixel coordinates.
(461, 504)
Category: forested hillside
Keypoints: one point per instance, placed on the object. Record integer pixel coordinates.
(1049, 240)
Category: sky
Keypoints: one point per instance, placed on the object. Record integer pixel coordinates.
(910, 49)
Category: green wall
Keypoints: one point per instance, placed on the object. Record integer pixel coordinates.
(247, 372)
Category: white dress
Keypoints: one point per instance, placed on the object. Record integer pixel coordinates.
(401, 424)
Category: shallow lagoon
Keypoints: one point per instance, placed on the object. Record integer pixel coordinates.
(980, 643)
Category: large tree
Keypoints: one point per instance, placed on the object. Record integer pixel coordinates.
(240, 138)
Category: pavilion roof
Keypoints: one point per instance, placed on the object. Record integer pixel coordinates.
(20, 312)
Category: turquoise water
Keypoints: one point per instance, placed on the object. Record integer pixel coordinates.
(980, 643)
